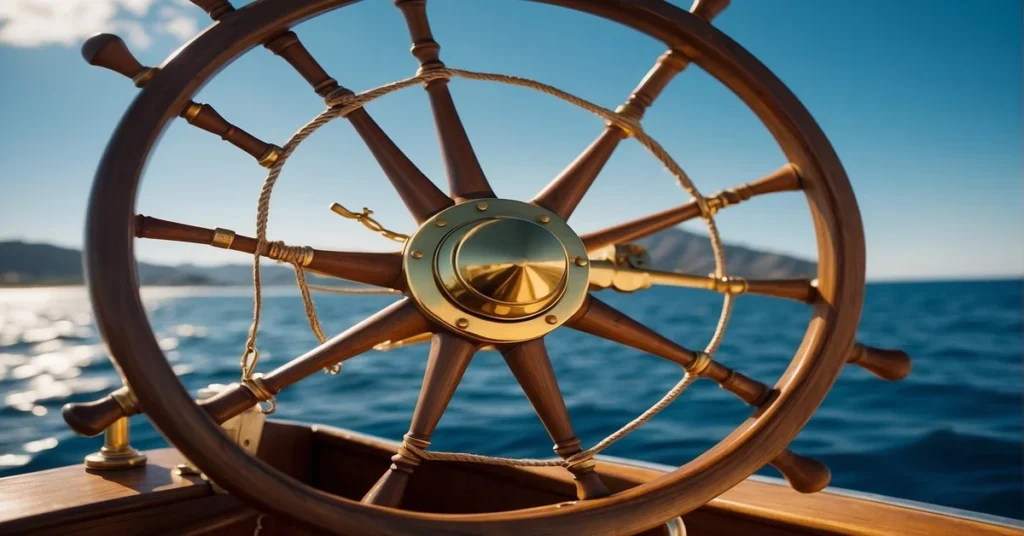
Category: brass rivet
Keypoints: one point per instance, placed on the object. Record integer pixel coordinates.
(544, 218)
(481, 206)
(581, 261)
(551, 319)
(440, 222)
(417, 254)
(462, 323)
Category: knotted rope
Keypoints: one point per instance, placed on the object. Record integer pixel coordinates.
(341, 102)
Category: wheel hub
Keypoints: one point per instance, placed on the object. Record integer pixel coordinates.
(498, 270)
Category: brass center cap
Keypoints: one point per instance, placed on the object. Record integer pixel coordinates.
(511, 261)
(499, 271)
(504, 268)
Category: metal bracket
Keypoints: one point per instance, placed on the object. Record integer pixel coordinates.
(245, 429)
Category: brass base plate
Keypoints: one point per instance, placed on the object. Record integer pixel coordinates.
(421, 258)
(105, 460)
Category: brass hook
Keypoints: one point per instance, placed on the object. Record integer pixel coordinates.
(367, 220)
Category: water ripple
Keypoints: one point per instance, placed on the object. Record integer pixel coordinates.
(957, 416)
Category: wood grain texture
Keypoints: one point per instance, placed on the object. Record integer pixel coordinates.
(565, 191)
(531, 366)
(800, 289)
(602, 320)
(466, 179)
(420, 195)
(71, 500)
(378, 269)
(889, 365)
(288, 46)
(120, 315)
(449, 357)
(47, 499)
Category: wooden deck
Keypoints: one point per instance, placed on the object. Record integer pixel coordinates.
(152, 500)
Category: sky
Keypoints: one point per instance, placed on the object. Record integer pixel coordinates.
(921, 99)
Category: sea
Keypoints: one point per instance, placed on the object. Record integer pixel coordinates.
(950, 434)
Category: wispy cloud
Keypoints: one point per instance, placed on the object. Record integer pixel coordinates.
(35, 23)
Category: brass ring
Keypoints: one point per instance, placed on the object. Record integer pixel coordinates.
(126, 399)
(260, 392)
(222, 238)
(699, 365)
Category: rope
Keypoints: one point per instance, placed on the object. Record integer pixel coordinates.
(343, 101)
(569, 462)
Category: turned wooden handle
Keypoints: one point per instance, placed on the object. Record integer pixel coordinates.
(804, 474)
(110, 52)
(91, 418)
(890, 365)
(799, 289)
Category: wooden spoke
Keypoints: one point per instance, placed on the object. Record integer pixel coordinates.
(466, 178)
(602, 320)
(799, 289)
(397, 321)
(378, 269)
(565, 192)
(419, 194)
(531, 366)
(786, 178)
(890, 365)
(598, 318)
(449, 357)
(804, 474)
(110, 52)
(288, 46)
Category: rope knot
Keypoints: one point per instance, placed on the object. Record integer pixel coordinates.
(629, 125)
(580, 462)
(298, 255)
(339, 97)
(412, 451)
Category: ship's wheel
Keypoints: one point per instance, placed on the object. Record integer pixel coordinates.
(480, 270)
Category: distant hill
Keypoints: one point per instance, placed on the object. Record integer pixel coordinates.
(24, 264)
(677, 250)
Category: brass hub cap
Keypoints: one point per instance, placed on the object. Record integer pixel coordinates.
(499, 270)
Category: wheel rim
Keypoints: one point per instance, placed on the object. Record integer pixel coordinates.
(110, 268)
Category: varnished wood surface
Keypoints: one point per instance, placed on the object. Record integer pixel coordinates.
(35, 501)
(71, 500)
(448, 359)
(378, 269)
(531, 366)
(121, 319)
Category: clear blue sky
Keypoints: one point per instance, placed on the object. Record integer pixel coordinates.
(921, 98)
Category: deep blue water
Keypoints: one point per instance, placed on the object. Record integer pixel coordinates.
(950, 434)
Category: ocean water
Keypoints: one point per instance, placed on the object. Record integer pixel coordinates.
(950, 434)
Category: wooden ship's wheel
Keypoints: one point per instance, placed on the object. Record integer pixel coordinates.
(480, 270)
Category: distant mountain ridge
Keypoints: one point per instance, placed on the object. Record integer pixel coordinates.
(26, 264)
